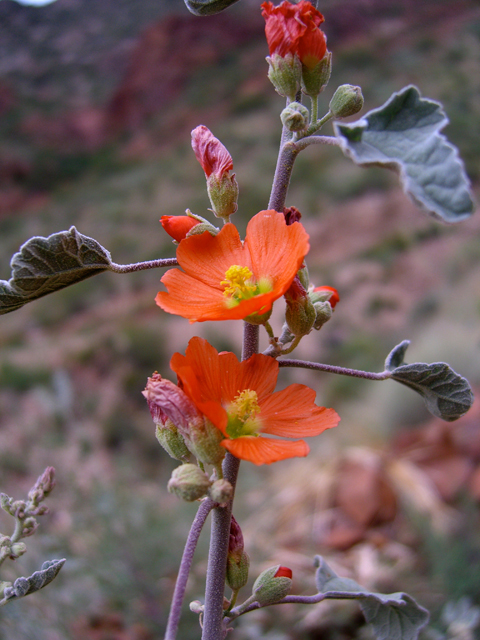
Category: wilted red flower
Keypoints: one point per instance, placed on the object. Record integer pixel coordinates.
(178, 226)
(225, 279)
(334, 297)
(294, 29)
(239, 399)
(210, 152)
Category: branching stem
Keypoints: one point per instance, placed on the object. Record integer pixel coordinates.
(355, 373)
(141, 266)
(181, 584)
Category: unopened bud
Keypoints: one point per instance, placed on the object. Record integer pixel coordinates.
(285, 74)
(18, 549)
(188, 482)
(299, 314)
(196, 607)
(295, 117)
(324, 294)
(178, 227)
(292, 214)
(315, 80)
(347, 100)
(221, 491)
(238, 561)
(272, 585)
(172, 441)
(323, 311)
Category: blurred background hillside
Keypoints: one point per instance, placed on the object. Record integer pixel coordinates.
(97, 101)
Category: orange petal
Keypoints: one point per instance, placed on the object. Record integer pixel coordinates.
(207, 258)
(292, 413)
(277, 250)
(258, 373)
(265, 450)
(198, 302)
(189, 298)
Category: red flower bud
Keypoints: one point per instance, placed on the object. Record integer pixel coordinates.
(292, 214)
(210, 152)
(235, 542)
(178, 226)
(294, 29)
(334, 297)
(283, 572)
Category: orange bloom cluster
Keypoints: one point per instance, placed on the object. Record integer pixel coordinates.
(239, 399)
(294, 29)
(225, 279)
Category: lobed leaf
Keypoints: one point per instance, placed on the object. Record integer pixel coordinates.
(447, 394)
(25, 586)
(394, 616)
(45, 265)
(403, 135)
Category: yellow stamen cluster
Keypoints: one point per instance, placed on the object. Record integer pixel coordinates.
(238, 283)
(242, 414)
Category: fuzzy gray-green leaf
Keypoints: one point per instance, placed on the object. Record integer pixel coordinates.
(394, 616)
(447, 394)
(25, 586)
(396, 356)
(45, 265)
(403, 135)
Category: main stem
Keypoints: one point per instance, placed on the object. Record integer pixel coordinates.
(213, 620)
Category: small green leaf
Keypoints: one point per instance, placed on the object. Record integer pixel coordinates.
(446, 393)
(208, 7)
(45, 265)
(25, 586)
(394, 616)
(403, 135)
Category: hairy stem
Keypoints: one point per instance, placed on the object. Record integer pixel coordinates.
(355, 373)
(181, 584)
(213, 618)
(141, 266)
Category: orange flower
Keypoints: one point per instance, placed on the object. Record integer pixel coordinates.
(178, 226)
(225, 279)
(294, 29)
(239, 399)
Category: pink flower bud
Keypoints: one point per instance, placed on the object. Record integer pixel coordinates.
(210, 152)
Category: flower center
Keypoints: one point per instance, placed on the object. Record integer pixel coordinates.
(240, 285)
(242, 415)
